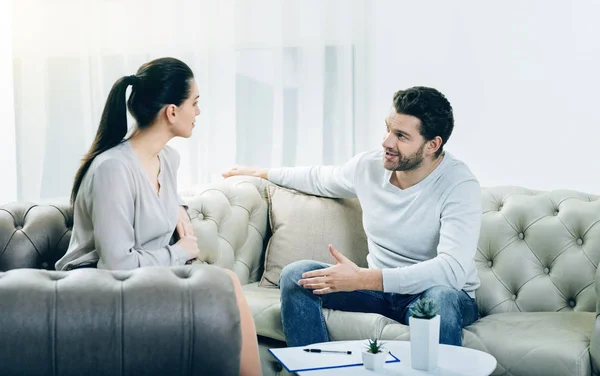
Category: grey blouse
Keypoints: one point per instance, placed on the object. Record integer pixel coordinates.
(120, 220)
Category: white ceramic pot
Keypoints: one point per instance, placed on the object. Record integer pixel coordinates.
(424, 343)
(374, 361)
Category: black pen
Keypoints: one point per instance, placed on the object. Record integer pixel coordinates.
(327, 351)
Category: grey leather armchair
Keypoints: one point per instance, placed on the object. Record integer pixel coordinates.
(148, 321)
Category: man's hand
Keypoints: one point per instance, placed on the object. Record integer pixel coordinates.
(184, 225)
(247, 171)
(344, 276)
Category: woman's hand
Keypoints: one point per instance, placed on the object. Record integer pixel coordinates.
(187, 239)
(184, 225)
(190, 244)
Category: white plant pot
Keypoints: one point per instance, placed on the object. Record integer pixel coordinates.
(424, 343)
(374, 361)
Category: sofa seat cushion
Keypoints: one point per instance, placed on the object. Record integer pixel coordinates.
(536, 343)
(266, 309)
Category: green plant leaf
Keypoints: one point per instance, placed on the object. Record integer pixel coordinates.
(425, 308)
(375, 346)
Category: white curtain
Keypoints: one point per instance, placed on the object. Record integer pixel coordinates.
(278, 80)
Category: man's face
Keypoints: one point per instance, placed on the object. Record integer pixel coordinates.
(403, 145)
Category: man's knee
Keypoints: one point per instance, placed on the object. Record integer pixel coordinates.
(292, 273)
(446, 297)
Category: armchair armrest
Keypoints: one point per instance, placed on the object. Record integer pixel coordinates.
(159, 321)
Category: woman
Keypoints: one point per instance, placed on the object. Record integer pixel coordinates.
(125, 201)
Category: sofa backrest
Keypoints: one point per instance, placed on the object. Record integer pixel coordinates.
(34, 235)
(230, 220)
(538, 251)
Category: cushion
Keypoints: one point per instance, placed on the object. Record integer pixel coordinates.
(303, 226)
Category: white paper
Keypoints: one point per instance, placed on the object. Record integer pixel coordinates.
(295, 359)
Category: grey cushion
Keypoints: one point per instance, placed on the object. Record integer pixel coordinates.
(303, 226)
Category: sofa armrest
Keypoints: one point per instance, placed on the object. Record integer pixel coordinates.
(159, 321)
(595, 340)
(230, 220)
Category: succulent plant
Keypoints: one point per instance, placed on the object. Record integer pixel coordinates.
(425, 309)
(375, 346)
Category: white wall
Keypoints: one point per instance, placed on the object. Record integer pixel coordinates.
(523, 78)
(8, 152)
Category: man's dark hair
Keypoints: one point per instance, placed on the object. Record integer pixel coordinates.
(429, 106)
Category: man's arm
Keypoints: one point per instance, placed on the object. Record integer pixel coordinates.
(459, 234)
(326, 181)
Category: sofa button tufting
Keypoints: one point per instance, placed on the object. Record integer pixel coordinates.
(18, 227)
(579, 241)
(546, 270)
(45, 265)
(521, 235)
(556, 212)
(514, 297)
(490, 263)
(571, 303)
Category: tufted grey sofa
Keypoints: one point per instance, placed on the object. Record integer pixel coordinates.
(149, 321)
(537, 259)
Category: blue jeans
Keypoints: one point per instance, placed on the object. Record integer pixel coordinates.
(301, 309)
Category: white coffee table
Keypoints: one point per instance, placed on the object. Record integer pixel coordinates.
(452, 361)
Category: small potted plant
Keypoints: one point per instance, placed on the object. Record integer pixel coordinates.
(374, 357)
(424, 325)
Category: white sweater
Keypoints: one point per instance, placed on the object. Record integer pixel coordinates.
(420, 237)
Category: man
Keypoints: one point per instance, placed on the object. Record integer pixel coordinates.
(422, 217)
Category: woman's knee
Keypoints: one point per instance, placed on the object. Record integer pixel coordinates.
(237, 287)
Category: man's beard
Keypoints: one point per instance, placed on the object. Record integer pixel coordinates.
(409, 163)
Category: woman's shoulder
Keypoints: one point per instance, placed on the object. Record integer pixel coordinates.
(171, 155)
(115, 160)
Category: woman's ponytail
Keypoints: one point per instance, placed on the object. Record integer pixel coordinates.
(111, 131)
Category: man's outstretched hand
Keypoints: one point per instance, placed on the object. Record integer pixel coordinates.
(247, 171)
(343, 276)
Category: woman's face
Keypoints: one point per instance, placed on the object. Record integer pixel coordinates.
(186, 113)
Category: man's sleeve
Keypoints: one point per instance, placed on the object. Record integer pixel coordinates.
(326, 181)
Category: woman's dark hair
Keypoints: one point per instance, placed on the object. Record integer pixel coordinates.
(156, 84)
(429, 106)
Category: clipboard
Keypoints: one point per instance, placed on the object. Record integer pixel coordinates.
(295, 359)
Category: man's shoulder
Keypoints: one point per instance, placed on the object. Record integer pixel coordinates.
(457, 182)
(456, 171)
